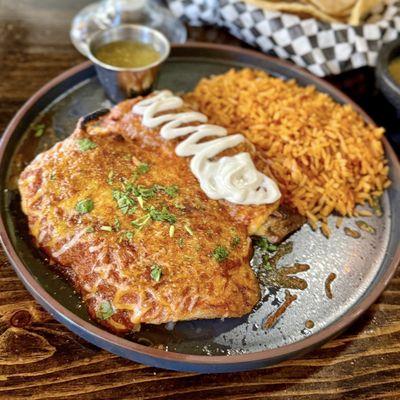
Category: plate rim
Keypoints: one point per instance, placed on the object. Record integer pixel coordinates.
(181, 361)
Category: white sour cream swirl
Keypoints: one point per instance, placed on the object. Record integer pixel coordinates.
(232, 178)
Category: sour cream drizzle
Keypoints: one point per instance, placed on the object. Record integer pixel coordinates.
(232, 178)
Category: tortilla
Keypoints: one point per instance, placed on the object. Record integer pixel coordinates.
(290, 7)
(344, 11)
(361, 9)
(337, 8)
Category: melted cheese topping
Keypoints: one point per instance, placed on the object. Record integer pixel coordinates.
(232, 178)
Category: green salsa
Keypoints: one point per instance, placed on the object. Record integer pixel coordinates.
(127, 54)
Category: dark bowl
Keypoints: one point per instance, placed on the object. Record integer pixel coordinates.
(384, 80)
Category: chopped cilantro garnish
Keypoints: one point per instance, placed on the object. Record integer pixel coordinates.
(263, 244)
(140, 170)
(164, 215)
(188, 229)
(105, 310)
(39, 130)
(86, 144)
(84, 206)
(144, 192)
(156, 272)
(235, 242)
(220, 253)
(125, 203)
(52, 175)
(139, 190)
(156, 215)
(171, 191)
(126, 185)
(266, 264)
(90, 229)
(143, 168)
(272, 247)
(106, 228)
(129, 235)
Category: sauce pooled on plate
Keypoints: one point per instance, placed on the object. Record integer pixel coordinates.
(127, 54)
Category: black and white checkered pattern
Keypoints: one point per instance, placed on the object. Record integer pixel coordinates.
(323, 48)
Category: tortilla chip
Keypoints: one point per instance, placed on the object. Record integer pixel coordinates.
(345, 11)
(334, 8)
(361, 9)
(298, 8)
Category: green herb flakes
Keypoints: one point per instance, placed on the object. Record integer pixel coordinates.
(125, 203)
(38, 130)
(263, 244)
(90, 229)
(140, 170)
(84, 206)
(267, 265)
(156, 272)
(106, 228)
(143, 168)
(52, 175)
(163, 216)
(127, 235)
(188, 229)
(105, 310)
(86, 144)
(181, 242)
(144, 192)
(220, 253)
(235, 242)
(171, 191)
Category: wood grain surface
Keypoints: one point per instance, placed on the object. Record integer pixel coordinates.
(41, 359)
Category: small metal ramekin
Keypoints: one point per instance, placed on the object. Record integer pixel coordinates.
(121, 83)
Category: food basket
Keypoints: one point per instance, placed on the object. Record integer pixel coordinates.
(324, 48)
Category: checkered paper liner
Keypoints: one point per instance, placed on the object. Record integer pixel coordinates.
(323, 48)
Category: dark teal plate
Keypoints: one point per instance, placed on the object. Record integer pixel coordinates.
(204, 345)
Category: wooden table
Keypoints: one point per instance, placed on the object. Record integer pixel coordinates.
(40, 359)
